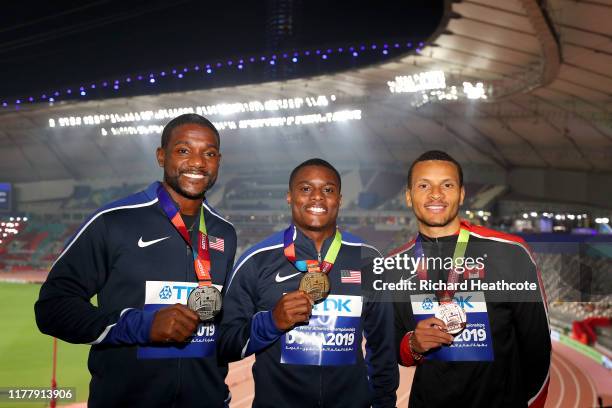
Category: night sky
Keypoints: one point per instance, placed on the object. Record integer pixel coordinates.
(61, 43)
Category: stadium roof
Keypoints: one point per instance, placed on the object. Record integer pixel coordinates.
(545, 72)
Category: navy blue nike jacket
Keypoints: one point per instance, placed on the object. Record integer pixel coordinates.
(319, 364)
(130, 255)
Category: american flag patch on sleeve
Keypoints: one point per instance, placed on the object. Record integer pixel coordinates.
(347, 276)
(216, 243)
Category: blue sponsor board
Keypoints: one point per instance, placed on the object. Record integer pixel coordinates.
(330, 338)
(201, 344)
(6, 193)
(474, 343)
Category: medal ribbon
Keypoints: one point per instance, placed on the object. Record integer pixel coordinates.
(311, 265)
(444, 296)
(201, 253)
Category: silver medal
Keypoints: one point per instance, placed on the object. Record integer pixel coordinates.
(205, 301)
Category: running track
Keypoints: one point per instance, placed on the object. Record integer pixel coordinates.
(575, 381)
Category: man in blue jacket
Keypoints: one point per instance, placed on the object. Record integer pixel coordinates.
(139, 256)
(310, 354)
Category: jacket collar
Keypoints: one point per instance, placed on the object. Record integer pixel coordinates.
(463, 224)
(305, 247)
(151, 193)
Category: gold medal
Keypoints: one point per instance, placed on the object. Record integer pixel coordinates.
(316, 285)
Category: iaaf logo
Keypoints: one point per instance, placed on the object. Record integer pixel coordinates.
(165, 293)
(329, 305)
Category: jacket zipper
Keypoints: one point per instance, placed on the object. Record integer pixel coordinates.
(179, 366)
(320, 404)
(320, 384)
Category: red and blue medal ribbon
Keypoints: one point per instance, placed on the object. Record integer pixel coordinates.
(310, 265)
(201, 253)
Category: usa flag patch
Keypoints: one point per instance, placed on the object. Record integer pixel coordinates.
(216, 243)
(347, 276)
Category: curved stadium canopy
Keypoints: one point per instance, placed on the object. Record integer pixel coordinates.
(545, 74)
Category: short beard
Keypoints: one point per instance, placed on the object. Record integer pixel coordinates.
(174, 184)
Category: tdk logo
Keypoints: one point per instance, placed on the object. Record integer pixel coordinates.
(464, 302)
(333, 305)
(165, 293)
(182, 291)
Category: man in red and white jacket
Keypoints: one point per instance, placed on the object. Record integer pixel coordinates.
(502, 356)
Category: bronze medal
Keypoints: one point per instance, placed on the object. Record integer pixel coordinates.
(316, 285)
(205, 301)
(453, 315)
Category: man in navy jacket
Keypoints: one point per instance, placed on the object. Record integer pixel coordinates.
(148, 349)
(310, 354)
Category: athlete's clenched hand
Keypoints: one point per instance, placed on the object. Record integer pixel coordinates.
(293, 307)
(173, 324)
(428, 334)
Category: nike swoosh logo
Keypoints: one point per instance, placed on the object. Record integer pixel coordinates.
(280, 279)
(144, 244)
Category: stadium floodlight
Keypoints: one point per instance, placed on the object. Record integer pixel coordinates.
(148, 122)
(474, 91)
(423, 81)
(534, 214)
(276, 121)
(436, 86)
(205, 110)
(525, 215)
